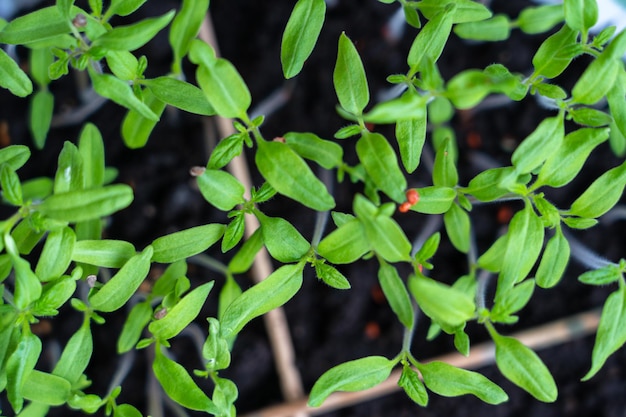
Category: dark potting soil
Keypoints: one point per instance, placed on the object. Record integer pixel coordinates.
(330, 326)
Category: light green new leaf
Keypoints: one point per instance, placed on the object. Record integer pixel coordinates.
(12, 77)
(76, 206)
(387, 239)
(556, 53)
(180, 94)
(331, 276)
(120, 92)
(15, 156)
(611, 333)
(288, 174)
(309, 146)
(455, 311)
(430, 41)
(56, 255)
(272, 292)
(118, 290)
(413, 386)
(244, 257)
(597, 80)
(215, 349)
(411, 136)
(485, 186)
(126, 410)
(183, 313)
(496, 28)
(381, 164)
(227, 149)
(444, 169)
(533, 20)
(539, 145)
(39, 25)
(580, 15)
(524, 244)
(524, 368)
(91, 148)
(69, 174)
(349, 78)
(282, 240)
(300, 35)
(27, 284)
(355, 375)
(185, 27)
(450, 381)
(233, 232)
(41, 109)
(123, 64)
(136, 128)
(179, 386)
(434, 200)
(554, 261)
(221, 189)
(468, 88)
(346, 244)
(124, 7)
(512, 300)
(55, 294)
(587, 116)
(602, 276)
(185, 243)
(465, 10)
(46, 388)
(458, 226)
(19, 365)
(134, 36)
(107, 253)
(617, 104)
(76, 354)
(138, 318)
(11, 186)
(563, 165)
(408, 106)
(396, 293)
(602, 194)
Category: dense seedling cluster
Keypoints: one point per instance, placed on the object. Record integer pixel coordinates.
(63, 215)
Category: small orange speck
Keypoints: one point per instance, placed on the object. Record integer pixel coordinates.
(504, 214)
(377, 295)
(404, 207)
(370, 126)
(372, 330)
(412, 196)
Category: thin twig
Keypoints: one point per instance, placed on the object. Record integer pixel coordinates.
(275, 320)
(544, 336)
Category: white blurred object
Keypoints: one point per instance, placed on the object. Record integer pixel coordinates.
(610, 13)
(9, 8)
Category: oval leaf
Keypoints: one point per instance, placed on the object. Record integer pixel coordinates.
(300, 35)
(349, 78)
(181, 245)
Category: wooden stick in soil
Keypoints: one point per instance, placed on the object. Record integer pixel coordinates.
(275, 320)
(544, 336)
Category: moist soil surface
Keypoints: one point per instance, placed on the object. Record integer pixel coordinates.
(330, 326)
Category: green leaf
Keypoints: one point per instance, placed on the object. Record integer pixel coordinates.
(91, 148)
(41, 109)
(56, 255)
(118, 290)
(566, 162)
(413, 386)
(346, 244)
(602, 276)
(450, 381)
(617, 104)
(411, 136)
(430, 41)
(179, 386)
(381, 164)
(234, 232)
(76, 354)
(556, 53)
(243, 259)
(300, 35)
(408, 106)
(185, 28)
(107, 253)
(136, 128)
(523, 367)
(387, 239)
(524, 243)
(611, 333)
(215, 349)
(497, 28)
(512, 300)
(69, 174)
(349, 78)
(331, 276)
(11, 186)
(124, 7)
(554, 261)
(138, 318)
(12, 77)
(457, 309)
(120, 92)
(580, 15)
(434, 200)
(272, 292)
(186, 243)
(123, 65)
(282, 240)
(288, 174)
(183, 313)
(19, 365)
(134, 36)
(539, 145)
(221, 189)
(39, 25)
(15, 156)
(597, 80)
(227, 149)
(126, 410)
(465, 10)
(76, 206)
(587, 116)
(65, 7)
(55, 294)
(458, 226)
(602, 194)
(309, 146)
(229, 292)
(180, 94)
(355, 375)
(27, 285)
(396, 293)
(444, 170)
(46, 388)
(533, 20)
(485, 186)
(429, 248)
